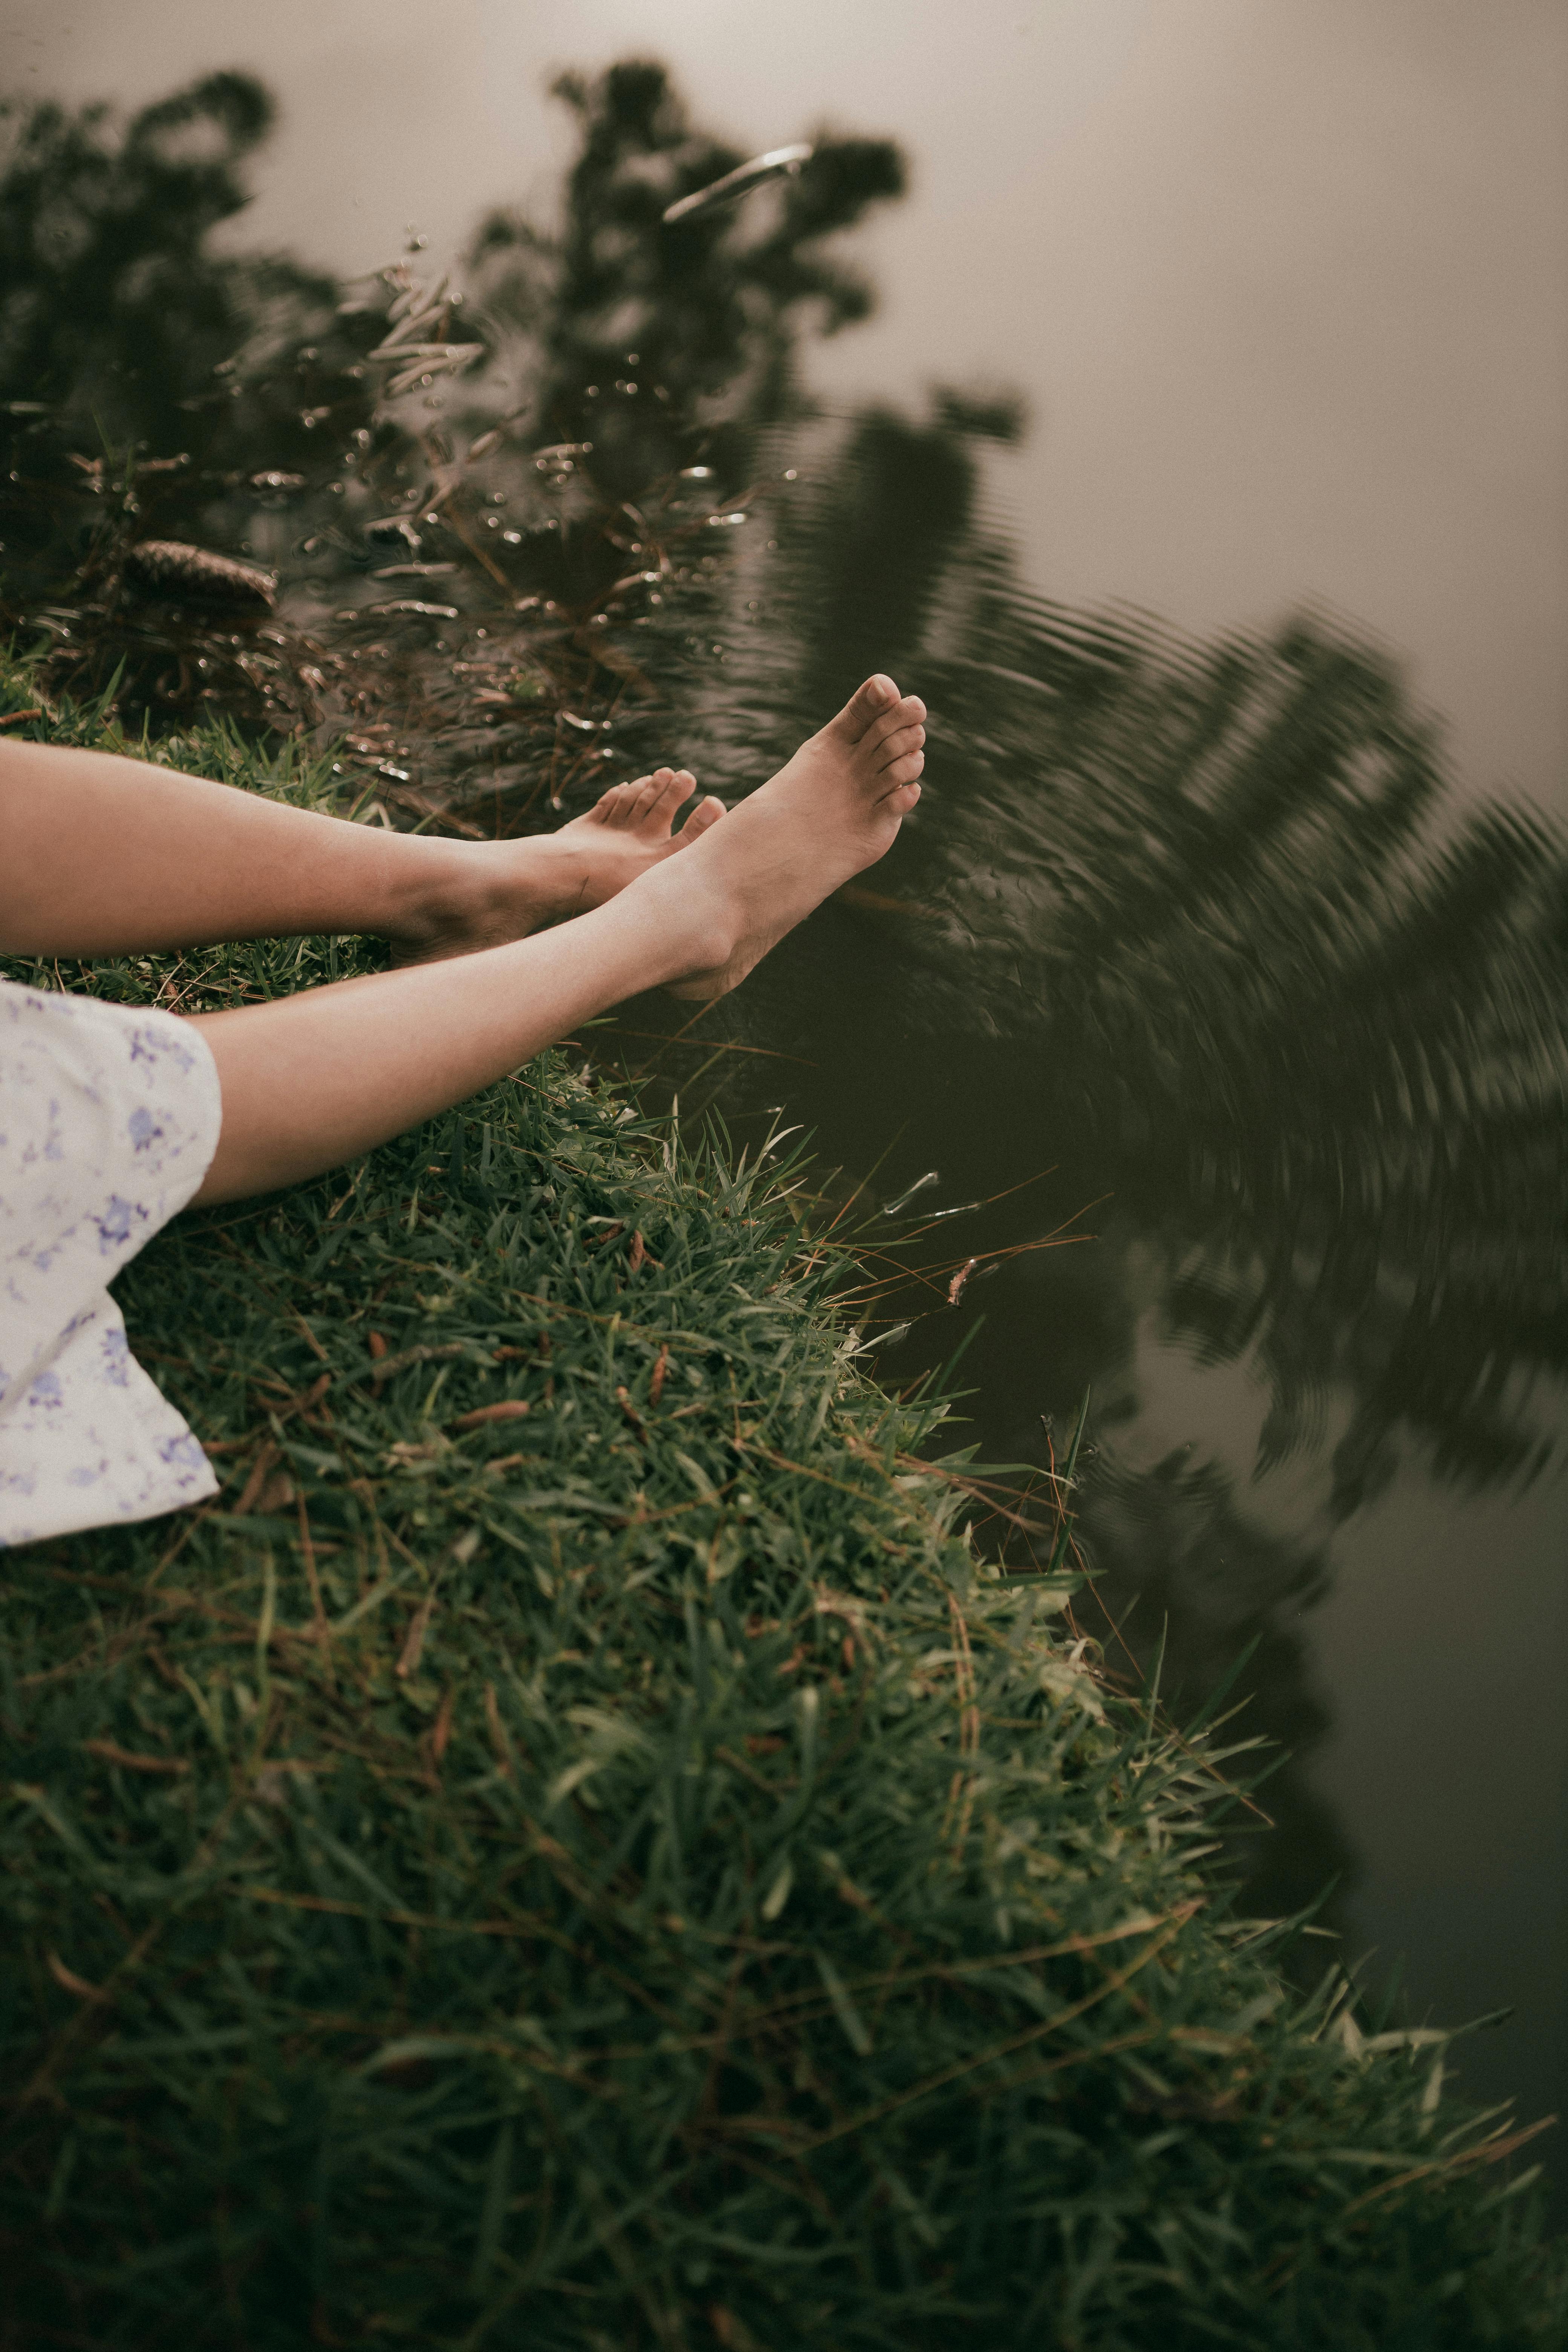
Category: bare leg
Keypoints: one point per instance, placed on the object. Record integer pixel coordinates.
(315, 1079)
(105, 856)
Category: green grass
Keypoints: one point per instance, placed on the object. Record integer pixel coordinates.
(626, 1872)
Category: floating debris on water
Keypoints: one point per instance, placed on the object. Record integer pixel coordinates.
(896, 1208)
(779, 162)
(956, 1287)
(271, 479)
(413, 604)
(394, 531)
(170, 567)
(426, 362)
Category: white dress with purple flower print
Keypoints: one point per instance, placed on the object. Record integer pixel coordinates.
(109, 1118)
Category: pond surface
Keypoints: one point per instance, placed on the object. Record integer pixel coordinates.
(1219, 1053)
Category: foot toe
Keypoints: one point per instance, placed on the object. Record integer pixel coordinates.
(707, 812)
(865, 707)
(902, 771)
(607, 805)
(894, 746)
(626, 799)
(670, 787)
(908, 712)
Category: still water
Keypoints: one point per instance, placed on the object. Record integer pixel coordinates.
(1193, 1018)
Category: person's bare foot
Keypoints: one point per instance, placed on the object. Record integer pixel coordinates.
(487, 892)
(831, 811)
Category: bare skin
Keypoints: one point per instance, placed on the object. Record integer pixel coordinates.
(501, 891)
(102, 856)
(830, 811)
(316, 1078)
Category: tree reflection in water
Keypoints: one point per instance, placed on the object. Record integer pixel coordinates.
(1201, 932)
(381, 454)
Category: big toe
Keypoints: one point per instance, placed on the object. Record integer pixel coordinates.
(707, 812)
(865, 707)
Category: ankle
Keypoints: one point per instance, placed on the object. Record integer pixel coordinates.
(439, 891)
(699, 921)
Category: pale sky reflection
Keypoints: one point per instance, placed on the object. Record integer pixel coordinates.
(1287, 286)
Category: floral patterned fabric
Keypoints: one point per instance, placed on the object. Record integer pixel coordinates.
(109, 1118)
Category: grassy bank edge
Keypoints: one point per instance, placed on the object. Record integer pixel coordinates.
(420, 1679)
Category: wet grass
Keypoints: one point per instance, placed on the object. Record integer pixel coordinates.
(575, 1846)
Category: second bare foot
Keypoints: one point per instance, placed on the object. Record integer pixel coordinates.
(488, 893)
